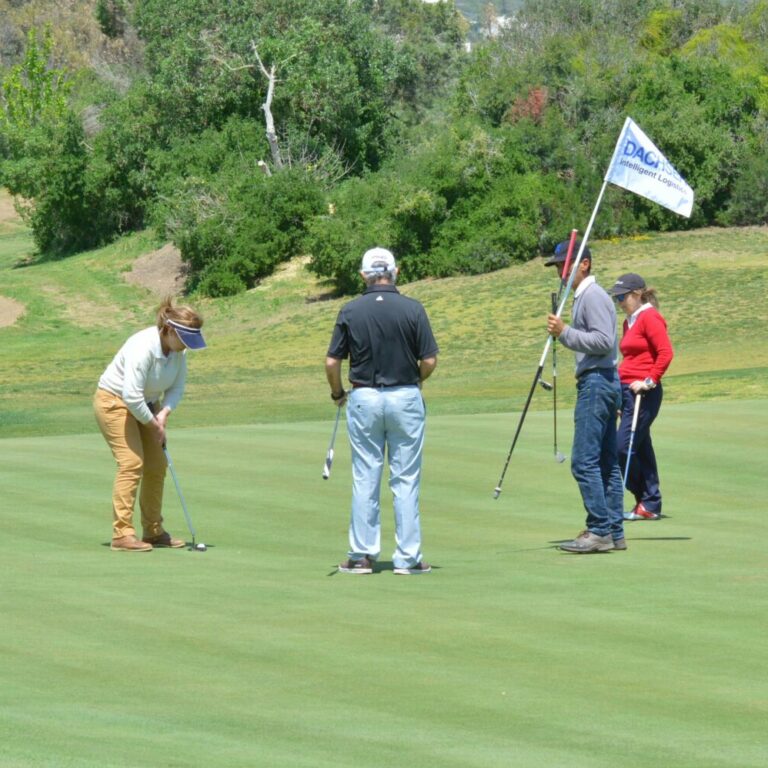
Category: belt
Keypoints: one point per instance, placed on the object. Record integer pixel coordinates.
(606, 373)
(358, 385)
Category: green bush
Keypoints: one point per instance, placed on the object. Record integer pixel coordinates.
(235, 229)
(749, 198)
(492, 231)
(354, 222)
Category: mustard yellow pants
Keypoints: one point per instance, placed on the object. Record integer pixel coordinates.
(140, 460)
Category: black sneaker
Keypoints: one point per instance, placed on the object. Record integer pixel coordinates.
(356, 566)
(413, 570)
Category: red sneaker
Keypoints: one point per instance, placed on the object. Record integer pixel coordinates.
(641, 513)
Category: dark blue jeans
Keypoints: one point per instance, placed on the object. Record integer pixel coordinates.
(643, 478)
(594, 459)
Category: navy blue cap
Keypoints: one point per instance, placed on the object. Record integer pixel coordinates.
(627, 283)
(561, 252)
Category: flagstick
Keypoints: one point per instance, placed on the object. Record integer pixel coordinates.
(568, 285)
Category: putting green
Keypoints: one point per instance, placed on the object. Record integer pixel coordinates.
(510, 654)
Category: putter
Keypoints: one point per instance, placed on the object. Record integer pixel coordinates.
(181, 499)
(329, 455)
(537, 375)
(632, 437)
(559, 457)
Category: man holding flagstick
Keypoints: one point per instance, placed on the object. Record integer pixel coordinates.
(594, 457)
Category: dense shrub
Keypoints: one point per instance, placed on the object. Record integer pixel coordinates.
(748, 203)
(234, 231)
(464, 202)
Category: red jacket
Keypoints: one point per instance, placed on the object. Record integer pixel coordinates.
(646, 348)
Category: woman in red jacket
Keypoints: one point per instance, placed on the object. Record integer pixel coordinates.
(647, 353)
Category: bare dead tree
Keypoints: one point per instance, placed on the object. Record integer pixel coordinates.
(271, 78)
(270, 74)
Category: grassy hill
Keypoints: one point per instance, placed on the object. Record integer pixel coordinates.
(267, 346)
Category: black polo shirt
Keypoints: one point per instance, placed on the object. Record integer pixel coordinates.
(384, 334)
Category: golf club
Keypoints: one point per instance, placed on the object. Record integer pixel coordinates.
(196, 547)
(545, 385)
(537, 376)
(329, 455)
(632, 437)
(559, 457)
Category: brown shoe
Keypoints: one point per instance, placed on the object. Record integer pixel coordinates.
(363, 565)
(164, 540)
(587, 542)
(413, 570)
(130, 544)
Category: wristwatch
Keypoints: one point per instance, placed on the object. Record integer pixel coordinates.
(650, 383)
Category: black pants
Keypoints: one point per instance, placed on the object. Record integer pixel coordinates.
(643, 478)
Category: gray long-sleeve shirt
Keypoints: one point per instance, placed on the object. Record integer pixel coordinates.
(592, 333)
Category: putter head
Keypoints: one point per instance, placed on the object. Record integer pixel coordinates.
(559, 457)
(545, 385)
(328, 465)
(496, 492)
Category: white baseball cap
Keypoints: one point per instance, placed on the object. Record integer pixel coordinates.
(377, 261)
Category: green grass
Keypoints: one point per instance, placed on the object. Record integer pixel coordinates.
(509, 654)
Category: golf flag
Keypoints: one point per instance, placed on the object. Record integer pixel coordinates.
(637, 165)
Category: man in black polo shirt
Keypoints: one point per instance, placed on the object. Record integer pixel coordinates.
(391, 351)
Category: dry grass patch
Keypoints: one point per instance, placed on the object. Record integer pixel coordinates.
(10, 311)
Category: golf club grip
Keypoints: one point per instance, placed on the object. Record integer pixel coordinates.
(569, 254)
(566, 280)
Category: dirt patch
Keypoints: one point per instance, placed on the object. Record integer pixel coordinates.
(162, 272)
(10, 311)
(7, 211)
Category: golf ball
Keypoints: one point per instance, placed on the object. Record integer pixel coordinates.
(201, 547)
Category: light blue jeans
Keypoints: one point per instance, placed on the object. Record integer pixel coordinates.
(391, 418)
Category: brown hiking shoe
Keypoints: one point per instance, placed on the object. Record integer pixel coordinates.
(363, 565)
(164, 540)
(130, 544)
(587, 542)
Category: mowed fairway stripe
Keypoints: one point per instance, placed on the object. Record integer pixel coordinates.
(509, 654)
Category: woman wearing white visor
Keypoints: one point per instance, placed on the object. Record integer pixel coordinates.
(136, 394)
